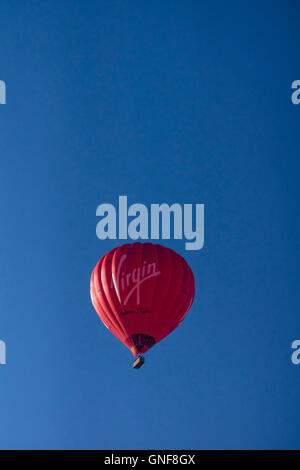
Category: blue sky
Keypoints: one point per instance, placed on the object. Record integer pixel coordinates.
(186, 102)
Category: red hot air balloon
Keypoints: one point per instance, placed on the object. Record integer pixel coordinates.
(142, 292)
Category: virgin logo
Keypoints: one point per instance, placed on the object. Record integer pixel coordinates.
(132, 280)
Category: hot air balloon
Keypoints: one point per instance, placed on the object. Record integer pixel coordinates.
(142, 292)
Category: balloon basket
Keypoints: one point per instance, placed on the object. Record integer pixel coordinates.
(138, 362)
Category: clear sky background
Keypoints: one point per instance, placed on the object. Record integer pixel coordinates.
(182, 101)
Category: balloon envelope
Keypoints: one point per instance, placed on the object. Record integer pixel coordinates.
(142, 292)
